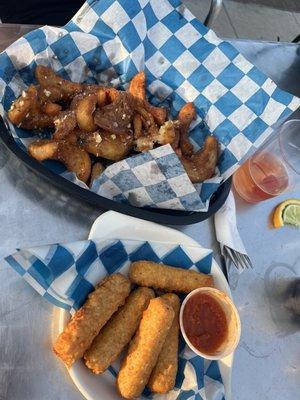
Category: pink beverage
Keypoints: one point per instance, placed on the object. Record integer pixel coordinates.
(261, 177)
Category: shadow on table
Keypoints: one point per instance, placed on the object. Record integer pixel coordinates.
(282, 288)
(287, 5)
(41, 192)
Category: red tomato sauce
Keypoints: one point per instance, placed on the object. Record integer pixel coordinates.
(205, 323)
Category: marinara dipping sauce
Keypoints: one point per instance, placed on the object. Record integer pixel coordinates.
(204, 322)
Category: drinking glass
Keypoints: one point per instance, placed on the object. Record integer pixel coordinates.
(274, 168)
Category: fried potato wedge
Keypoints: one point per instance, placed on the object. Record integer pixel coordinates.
(187, 114)
(150, 129)
(147, 118)
(64, 123)
(48, 80)
(159, 113)
(112, 94)
(97, 170)
(43, 149)
(137, 126)
(71, 155)
(97, 90)
(185, 117)
(37, 121)
(101, 98)
(73, 137)
(106, 145)
(117, 116)
(137, 88)
(76, 100)
(27, 111)
(51, 109)
(21, 106)
(84, 112)
(51, 93)
(144, 143)
(75, 159)
(167, 133)
(201, 165)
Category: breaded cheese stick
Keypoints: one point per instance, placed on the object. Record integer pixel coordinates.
(86, 323)
(144, 348)
(171, 279)
(163, 376)
(117, 333)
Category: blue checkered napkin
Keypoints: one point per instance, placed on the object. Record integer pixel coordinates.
(109, 41)
(65, 274)
(156, 179)
(185, 61)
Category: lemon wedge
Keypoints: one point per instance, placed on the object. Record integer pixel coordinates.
(287, 213)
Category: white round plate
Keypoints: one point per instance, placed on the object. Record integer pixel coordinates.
(112, 225)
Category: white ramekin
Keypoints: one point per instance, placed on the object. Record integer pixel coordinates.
(233, 323)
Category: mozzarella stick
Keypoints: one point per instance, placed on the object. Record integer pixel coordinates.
(164, 374)
(144, 348)
(86, 323)
(171, 279)
(118, 332)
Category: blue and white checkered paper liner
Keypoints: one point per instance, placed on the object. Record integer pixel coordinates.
(109, 41)
(65, 274)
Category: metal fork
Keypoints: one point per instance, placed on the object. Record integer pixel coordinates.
(239, 260)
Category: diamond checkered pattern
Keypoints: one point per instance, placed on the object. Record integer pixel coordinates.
(65, 274)
(156, 179)
(109, 41)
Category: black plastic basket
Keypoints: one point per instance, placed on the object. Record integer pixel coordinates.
(162, 216)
